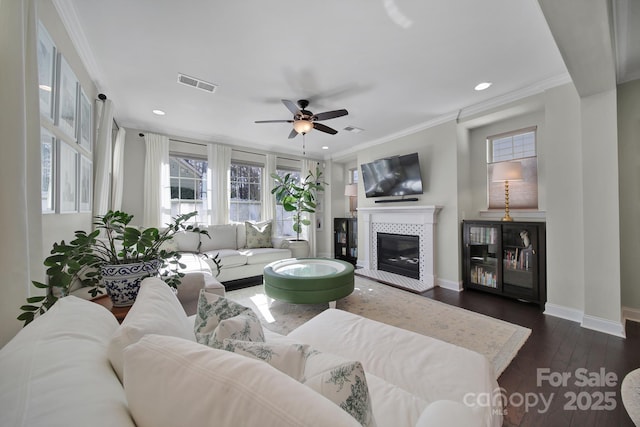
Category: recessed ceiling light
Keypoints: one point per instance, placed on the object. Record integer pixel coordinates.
(158, 112)
(483, 86)
(324, 147)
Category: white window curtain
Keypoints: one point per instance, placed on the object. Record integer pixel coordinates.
(157, 191)
(20, 210)
(219, 161)
(268, 199)
(118, 170)
(102, 159)
(309, 233)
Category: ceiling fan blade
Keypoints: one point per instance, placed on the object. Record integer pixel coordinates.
(273, 121)
(324, 128)
(291, 106)
(293, 134)
(330, 114)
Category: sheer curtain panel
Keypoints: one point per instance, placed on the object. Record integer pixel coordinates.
(268, 199)
(157, 191)
(20, 210)
(102, 159)
(310, 231)
(219, 161)
(118, 170)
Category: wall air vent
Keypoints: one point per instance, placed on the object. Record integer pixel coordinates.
(197, 83)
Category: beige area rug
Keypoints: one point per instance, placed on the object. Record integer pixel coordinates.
(498, 340)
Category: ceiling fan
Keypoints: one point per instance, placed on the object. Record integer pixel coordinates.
(304, 120)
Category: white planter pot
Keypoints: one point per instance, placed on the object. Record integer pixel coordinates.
(122, 281)
(299, 248)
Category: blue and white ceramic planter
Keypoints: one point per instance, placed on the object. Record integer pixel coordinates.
(122, 281)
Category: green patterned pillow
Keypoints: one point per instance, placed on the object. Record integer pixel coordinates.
(287, 358)
(258, 234)
(346, 386)
(218, 318)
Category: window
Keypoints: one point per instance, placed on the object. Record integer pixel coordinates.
(284, 219)
(353, 176)
(246, 192)
(47, 167)
(188, 186)
(519, 146)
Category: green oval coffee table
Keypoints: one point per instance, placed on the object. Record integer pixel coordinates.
(308, 280)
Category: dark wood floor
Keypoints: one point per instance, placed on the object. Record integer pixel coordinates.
(562, 346)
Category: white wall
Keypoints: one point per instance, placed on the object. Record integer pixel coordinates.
(629, 176)
(436, 148)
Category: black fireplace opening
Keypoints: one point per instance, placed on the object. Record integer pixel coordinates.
(399, 254)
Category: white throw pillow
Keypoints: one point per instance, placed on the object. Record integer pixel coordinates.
(187, 241)
(172, 382)
(218, 318)
(222, 237)
(156, 311)
(287, 358)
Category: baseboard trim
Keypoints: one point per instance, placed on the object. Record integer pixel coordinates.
(587, 321)
(603, 325)
(563, 312)
(629, 313)
(449, 284)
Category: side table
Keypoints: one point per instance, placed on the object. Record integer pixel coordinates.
(119, 312)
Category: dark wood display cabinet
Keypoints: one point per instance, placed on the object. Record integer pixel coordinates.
(345, 239)
(505, 258)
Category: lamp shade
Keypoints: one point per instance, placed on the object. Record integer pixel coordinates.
(351, 190)
(302, 126)
(507, 171)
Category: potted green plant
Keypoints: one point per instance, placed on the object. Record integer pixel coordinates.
(114, 257)
(298, 197)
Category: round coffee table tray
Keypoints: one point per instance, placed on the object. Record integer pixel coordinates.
(308, 280)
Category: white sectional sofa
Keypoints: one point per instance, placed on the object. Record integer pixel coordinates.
(58, 371)
(229, 242)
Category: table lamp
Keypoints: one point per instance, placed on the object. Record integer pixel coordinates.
(351, 191)
(505, 172)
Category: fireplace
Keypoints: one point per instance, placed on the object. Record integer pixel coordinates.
(399, 254)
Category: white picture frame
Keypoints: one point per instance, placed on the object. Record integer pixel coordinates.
(85, 127)
(68, 178)
(67, 106)
(46, 56)
(86, 184)
(47, 171)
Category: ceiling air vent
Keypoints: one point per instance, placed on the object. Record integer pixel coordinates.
(353, 129)
(197, 83)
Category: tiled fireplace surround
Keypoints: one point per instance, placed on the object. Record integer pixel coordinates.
(409, 220)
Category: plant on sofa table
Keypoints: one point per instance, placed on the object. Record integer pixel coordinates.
(298, 197)
(84, 259)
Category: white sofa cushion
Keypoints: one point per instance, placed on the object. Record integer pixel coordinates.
(204, 386)
(187, 241)
(265, 255)
(241, 234)
(229, 258)
(195, 263)
(379, 347)
(447, 413)
(222, 237)
(55, 371)
(156, 311)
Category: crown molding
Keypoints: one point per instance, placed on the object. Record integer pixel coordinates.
(465, 112)
(69, 17)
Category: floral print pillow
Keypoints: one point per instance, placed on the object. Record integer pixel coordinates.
(258, 234)
(218, 318)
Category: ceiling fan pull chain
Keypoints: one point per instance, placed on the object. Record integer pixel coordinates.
(304, 145)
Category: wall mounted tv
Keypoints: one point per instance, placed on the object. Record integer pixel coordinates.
(392, 176)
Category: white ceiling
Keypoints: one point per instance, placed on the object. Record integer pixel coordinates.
(395, 65)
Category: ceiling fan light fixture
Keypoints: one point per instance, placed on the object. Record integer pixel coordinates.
(302, 126)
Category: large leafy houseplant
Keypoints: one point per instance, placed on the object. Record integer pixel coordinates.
(298, 197)
(112, 242)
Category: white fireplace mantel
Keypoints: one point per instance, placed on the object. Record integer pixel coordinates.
(411, 220)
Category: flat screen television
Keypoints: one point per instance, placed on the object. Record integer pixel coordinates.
(392, 176)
